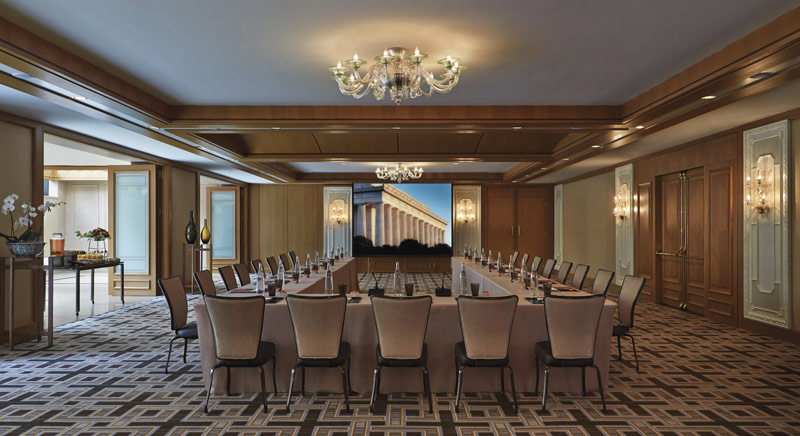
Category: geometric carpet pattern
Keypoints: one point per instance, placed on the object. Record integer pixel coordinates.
(105, 376)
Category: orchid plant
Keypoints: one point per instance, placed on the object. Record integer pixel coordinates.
(26, 220)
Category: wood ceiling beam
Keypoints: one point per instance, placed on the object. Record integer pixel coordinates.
(427, 178)
(407, 157)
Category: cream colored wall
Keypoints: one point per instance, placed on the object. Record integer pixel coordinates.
(795, 227)
(16, 175)
(588, 225)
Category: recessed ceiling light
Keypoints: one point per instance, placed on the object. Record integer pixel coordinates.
(761, 75)
(153, 128)
(513, 181)
(276, 128)
(596, 146)
(517, 128)
(455, 163)
(640, 127)
(544, 168)
(566, 158)
(80, 98)
(395, 128)
(708, 97)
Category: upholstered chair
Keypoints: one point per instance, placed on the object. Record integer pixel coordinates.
(579, 276)
(537, 261)
(318, 325)
(572, 324)
(272, 264)
(401, 324)
(628, 295)
(258, 263)
(513, 261)
(288, 264)
(228, 277)
(243, 273)
(173, 291)
(548, 268)
(563, 272)
(236, 325)
(292, 257)
(524, 262)
(205, 281)
(602, 280)
(486, 328)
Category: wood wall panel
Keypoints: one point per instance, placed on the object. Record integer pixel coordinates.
(500, 219)
(696, 241)
(304, 219)
(721, 252)
(532, 221)
(643, 237)
(669, 288)
(272, 220)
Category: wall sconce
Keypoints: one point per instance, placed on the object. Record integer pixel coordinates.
(621, 207)
(336, 212)
(758, 190)
(466, 211)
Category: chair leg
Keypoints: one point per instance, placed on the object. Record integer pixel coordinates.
(600, 385)
(291, 385)
(583, 381)
(619, 348)
(426, 386)
(263, 388)
(537, 376)
(344, 388)
(374, 393)
(228, 381)
(513, 388)
(349, 382)
(635, 357)
(208, 392)
(459, 379)
(185, 347)
(502, 381)
(455, 385)
(169, 353)
(544, 391)
(303, 381)
(274, 384)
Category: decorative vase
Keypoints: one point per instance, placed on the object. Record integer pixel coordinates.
(26, 249)
(191, 229)
(205, 235)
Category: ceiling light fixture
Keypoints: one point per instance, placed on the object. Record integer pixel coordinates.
(517, 128)
(402, 75)
(566, 158)
(708, 97)
(399, 173)
(640, 127)
(596, 146)
(275, 128)
(80, 98)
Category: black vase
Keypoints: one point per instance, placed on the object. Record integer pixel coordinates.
(191, 229)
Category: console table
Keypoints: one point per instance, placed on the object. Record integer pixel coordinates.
(80, 267)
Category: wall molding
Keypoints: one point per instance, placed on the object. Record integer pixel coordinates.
(767, 237)
(466, 233)
(338, 234)
(558, 224)
(623, 258)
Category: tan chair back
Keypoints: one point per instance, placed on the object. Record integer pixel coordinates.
(236, 325)
(563, 272)
(287, 263)
(486, 325)
(243, 273)
(579, 276)
(228, 277)
(572, 324)
(272, 264)
(524, 261)
(537, 261)
(548, 268)
(205, 281)
(292, 257)
(401, 324)
(631, 288)
(173, 291)
(318, 323)
(601, 281)
(514, 260)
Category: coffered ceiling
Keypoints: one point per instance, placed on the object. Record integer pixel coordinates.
(245, 85)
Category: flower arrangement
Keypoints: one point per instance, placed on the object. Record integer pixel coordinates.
(98, 234)
(26, 220)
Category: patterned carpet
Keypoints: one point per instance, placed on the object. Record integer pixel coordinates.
(106, 376)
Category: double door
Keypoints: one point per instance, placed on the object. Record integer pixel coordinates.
(518, 219)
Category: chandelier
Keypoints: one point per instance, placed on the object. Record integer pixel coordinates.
(399, 173)
(400, 74)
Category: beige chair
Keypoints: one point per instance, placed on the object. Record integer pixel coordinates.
(548, 268)
(258, 263)
(242, 273)
(563, 272)
(572, 324)
(401, 324)
(292, 257)
(513, 263)
(579, 276)
(173, 291)
(537, 261)
(272, 264)
(228, 277)
(486, 328)
(236, 326)
(318, 325)
(205, 281)
(602, 280)
(631, 289)
(288, 264)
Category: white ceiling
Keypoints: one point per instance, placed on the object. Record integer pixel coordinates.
(72, 153)
(432, 167)
(276, 53)
(773, 102)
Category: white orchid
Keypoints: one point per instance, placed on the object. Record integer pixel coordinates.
(8, 208)
(26, 220)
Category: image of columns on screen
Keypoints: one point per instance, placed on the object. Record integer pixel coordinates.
(407, 219)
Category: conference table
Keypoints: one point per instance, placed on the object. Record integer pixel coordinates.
(443, 333)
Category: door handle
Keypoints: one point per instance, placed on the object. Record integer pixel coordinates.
(518, 232)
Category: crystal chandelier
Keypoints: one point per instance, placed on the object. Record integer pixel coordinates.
(399, 173)
(400, 74)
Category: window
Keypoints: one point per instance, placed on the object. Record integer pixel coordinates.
(223, 217)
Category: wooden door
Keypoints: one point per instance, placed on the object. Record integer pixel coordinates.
(669, 288)
(531, 229)
(132, 224)
(695, 241)
(721, 254)
(500, 216)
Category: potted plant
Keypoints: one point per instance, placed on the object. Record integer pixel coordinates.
(97, 235)
(24, 240)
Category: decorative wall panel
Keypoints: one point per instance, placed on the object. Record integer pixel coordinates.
(558, 224)
(338, 207)
(467, 228)
(766, 230)
(623, 182)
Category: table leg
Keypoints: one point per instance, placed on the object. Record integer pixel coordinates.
(92, 296)
(11, 305)
(50, 272)
(122, 282)
(77, 292)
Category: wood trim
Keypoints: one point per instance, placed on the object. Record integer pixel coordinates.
(427, 157)
(37, 197)
(237, 220)
(463, 178)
